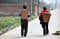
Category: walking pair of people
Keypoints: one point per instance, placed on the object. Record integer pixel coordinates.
(24, 21)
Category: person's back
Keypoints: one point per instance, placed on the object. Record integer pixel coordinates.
(24, 14)
(44, 11)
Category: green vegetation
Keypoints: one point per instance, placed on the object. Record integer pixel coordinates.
(11, 21)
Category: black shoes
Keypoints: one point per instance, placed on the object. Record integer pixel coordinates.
(23, 36)
(45, 34)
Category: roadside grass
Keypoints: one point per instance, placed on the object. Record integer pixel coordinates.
(11, 21)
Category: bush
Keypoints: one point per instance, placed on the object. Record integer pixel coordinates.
(9, 21)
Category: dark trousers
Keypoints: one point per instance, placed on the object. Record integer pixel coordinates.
(24, 27)
(45, 28)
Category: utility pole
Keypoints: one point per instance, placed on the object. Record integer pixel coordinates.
(31, 7)
(42, 2)
(56, 4)
(52, 4)
(38, 7)
(24, 2)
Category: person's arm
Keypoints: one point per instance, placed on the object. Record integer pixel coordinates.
(40, 14)
(29, 14)
(20, 14)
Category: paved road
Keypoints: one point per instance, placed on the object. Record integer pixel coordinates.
(35, 29)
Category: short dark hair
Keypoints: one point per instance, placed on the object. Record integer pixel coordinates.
(44, 8)
(24, 7)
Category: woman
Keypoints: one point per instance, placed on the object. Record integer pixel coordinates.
(44, 24)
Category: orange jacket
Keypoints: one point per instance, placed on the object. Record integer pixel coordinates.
(43, 12)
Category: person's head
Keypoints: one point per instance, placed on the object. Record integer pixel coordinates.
(24, 7)
(44, 8)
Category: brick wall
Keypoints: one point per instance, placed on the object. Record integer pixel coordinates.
(10, 7)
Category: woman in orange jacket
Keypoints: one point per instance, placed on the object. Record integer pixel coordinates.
(44, 24)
